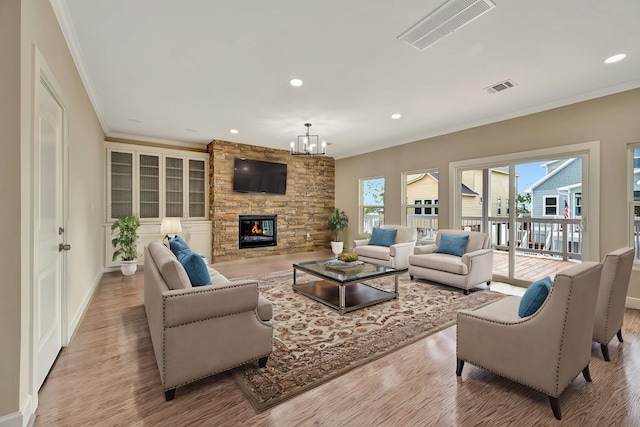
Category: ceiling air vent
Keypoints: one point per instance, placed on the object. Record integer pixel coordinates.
(498, 87)
(446, 19)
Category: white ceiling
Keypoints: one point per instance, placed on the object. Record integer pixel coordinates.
(191, 70)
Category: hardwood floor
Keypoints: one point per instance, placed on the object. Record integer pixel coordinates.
(108, 377)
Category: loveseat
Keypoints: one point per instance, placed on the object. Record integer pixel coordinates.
(469, 267)
(201, 331)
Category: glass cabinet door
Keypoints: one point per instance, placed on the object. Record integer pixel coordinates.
(197, 190)
(121, 184)
(174, 187)
(149, 176)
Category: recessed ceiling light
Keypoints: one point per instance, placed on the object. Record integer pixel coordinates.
(234, 131)
(135, 121)
(295, 82)
(615, 58)
(192, 130)
(396, 116)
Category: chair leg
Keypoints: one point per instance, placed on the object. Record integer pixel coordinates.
(169, 394)
(459, 366)
(466, 291)
(586, 374)
(620, 336)
(555, 407)
(263, 361)
(605, 352)
(488, 283)
(411, 276)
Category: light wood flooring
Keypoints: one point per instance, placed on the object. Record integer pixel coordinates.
(108, 377)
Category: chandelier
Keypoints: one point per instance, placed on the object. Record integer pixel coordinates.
(308, 145)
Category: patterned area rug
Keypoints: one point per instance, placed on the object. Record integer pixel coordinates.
(314, 343)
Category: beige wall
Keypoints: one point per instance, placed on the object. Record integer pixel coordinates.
(613, 120)
(24, 24)
(10, 206)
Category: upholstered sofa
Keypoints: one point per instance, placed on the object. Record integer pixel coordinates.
(395, 255)
(201, 331)
(473, 267)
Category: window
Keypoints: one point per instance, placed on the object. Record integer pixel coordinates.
(550, 207)
(417, 211)
(578, 204)
(371, 203)
(420, 197)
(634, 188)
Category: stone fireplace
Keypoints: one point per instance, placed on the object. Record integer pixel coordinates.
(256, 231)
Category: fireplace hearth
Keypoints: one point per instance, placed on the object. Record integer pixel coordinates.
(256, 231)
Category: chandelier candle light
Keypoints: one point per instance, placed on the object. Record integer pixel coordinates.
(308, 145)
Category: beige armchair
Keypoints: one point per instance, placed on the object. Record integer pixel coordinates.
(544, 351)
(464, 272)
(616, 271)
(396, 255)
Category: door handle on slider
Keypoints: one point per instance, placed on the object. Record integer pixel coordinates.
(63, 247)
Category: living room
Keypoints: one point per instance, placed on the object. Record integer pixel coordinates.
(610, 119)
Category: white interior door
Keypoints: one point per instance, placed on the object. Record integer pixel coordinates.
(48, 231)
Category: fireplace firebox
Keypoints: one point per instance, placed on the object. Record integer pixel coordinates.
(256, 231)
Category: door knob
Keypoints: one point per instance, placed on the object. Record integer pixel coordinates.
(63, 247)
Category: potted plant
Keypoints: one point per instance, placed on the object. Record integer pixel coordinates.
(124, 243)
(339, 221)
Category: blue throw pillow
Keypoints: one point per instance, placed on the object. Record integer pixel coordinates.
(178, 245)
(195, 267)
(453, 244)
(383, 237)
(534, 297)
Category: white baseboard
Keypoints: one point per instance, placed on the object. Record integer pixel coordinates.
(24, 418)
(77, 318)
(632, 303)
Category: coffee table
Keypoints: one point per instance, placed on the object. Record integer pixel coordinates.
(341, 287)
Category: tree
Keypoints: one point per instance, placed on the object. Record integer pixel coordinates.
(523, 203)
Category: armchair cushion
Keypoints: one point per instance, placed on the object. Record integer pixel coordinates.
(383, 237)
(534, 297)
(453, 245)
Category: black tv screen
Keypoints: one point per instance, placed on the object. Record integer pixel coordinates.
(257, 176)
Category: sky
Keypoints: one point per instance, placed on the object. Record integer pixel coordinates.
(529, 174)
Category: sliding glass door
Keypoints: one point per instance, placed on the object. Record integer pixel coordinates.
(534, 210)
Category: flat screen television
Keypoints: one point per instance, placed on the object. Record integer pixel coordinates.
(257, 176)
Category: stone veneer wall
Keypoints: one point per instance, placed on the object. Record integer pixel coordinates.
(304, 209)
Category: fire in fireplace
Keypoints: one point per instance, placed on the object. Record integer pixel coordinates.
(257, 230)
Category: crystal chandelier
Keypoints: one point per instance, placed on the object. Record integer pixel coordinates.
(308, 145)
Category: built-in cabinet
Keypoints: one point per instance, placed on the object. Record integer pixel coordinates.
(154, 183)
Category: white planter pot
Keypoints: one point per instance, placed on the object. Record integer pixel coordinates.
(129, 268)
(337, 247)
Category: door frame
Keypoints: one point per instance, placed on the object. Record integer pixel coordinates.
(590, 153)
(43, 74)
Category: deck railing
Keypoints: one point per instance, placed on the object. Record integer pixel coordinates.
(557, 237)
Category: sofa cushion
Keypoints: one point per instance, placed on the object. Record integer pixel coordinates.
(169, 267)
(534, 297)
(195, 267)
(453, 244)
(382, 237)
(440, 262)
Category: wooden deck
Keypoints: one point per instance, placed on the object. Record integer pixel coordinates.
(529, 267)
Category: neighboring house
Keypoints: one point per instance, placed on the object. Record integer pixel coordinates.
(561, 183)
(558, 194)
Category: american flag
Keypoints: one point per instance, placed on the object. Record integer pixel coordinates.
(566, 210)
